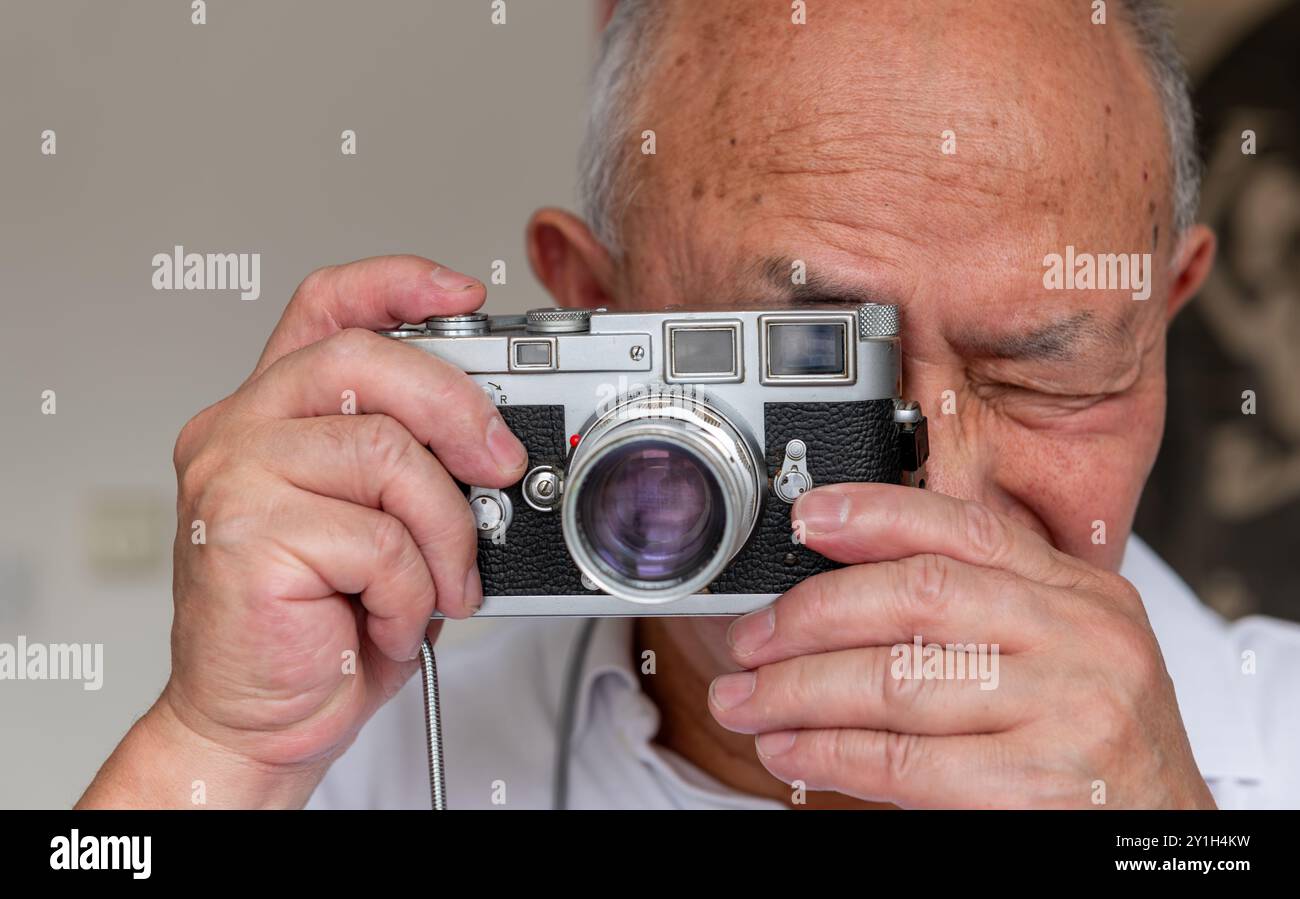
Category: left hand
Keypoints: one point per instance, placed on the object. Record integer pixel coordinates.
(1081, 711)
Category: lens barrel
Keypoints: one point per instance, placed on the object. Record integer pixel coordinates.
(662, 491)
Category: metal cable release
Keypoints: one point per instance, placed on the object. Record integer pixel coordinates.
(433, 728)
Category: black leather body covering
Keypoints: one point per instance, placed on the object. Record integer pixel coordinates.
(851, 441)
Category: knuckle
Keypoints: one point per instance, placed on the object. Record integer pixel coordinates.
(921, 589)
(793, 685)
(450, 389)
(351, 343)
(220, 500)
(891, 508)
(902, 756)
(1142, 658)
(384, 443)
(315, 284)
(1126, 595)
(192, 436)
(192, 478)
(818, 755)
(1132, 653)
(815, 600)
(454, 539)
(390, 541)
(985, 531)
(815, 604)
(338, 433)
(896, 691)
(186, 441)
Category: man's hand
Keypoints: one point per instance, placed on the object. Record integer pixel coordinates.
(327, 540)
(1083, 711)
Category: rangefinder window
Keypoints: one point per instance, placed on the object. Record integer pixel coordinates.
(803, 351)
(536, 355)
(703, 352)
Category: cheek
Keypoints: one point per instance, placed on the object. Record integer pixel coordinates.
(1082, 491)
(1084, 484)
(1075, 481)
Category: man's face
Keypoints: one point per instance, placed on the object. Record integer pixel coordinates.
(823, 143)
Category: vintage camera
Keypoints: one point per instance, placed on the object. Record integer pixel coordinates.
(666, 448)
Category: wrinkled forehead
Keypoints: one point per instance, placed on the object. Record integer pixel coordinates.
(896, 131)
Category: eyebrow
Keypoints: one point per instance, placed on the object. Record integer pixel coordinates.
(1055, 341)
(816, 289)
(1062, 340)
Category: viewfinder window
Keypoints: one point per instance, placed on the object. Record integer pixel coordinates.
(533, 354)
(704, 351)
(798, 350)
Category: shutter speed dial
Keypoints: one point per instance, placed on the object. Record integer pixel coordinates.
(558, 321)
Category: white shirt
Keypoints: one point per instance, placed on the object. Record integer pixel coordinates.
(501, 700)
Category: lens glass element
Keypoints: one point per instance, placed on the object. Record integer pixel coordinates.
(652, 511)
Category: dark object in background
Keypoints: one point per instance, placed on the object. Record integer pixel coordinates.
(1223, 503)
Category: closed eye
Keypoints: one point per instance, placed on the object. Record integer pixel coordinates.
(1035, 405)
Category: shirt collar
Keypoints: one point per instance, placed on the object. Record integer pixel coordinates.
(610, 667)
(609, 654)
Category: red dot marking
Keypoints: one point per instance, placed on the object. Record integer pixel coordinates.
(573, 440)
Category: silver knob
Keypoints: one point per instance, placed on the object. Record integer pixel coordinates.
(542, 488)
(877, 320)
(792, 479)
(792, 485)
(467, 325)
(558, 321)
(492, 512)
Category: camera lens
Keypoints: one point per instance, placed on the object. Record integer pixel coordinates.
(662, 491)
(652, 511)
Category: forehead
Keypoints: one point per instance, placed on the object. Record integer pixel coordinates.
(826, 141)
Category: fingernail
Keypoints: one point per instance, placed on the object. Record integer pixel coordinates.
(822, 511)
(473, 589)
(774, 744)
(451, 280)
(731, 690)
(751, 631)
(505, 447)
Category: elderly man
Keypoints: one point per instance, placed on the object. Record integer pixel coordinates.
(931, 155)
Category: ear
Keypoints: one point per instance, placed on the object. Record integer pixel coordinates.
(604, 12)
(1195, 259)
(568, 259)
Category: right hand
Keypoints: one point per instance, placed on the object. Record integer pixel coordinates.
(330, 538)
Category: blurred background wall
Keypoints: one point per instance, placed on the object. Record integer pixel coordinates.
(1223, 504)
(223, 137)
(226, 138)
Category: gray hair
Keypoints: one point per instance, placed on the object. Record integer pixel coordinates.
(629, 45)
(625, 56)
(1155, 36)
